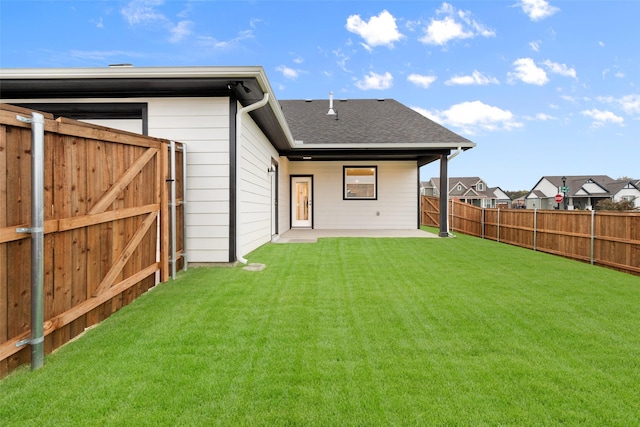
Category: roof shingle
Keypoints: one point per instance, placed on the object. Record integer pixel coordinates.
(363, 121)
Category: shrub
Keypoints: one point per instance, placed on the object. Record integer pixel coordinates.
(611, 205)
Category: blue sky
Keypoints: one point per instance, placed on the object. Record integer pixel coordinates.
(543, 87)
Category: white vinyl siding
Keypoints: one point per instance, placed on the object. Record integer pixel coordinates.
(203, 124)
(395, 208)
(254, 187)
(129, 125)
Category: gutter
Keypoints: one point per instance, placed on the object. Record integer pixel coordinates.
(239, 114)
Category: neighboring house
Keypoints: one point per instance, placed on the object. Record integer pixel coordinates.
(256, 167)
(583, 192)
(472, 190)
(519, 203)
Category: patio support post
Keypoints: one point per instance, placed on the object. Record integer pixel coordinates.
(444, 196)
(37, 240)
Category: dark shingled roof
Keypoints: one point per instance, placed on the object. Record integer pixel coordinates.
(364, 121)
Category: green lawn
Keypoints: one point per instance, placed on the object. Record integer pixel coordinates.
(366, 332)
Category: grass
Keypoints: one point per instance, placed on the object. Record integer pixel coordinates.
(367, 332)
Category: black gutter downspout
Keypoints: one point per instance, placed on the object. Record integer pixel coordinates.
(233, 109)
(444, 195)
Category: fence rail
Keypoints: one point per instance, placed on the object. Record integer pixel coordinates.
(106, 226)
(610, 239)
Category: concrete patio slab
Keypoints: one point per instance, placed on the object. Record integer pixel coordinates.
(307, 235)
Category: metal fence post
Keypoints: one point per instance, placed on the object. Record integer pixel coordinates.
(172, 205)
(183, 146)
(593, 232)
(37, 240)
(535, 228)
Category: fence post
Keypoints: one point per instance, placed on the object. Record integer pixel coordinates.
(593, 232)
(535, 228)
(37, 240)
(184, 206)
(452, 215)
(172, 206)
(482, 222)
(498, 234)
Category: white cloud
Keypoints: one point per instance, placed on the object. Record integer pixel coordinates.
(473, 117)
(375, 81)
(103, 55)
(342, 59)
(381, 30)
(455, 25)
(211, 42)
(630, 103)
(561, 69)
(601, 118)
(535, 45)
(528, 72)
(537, 9)
(142, 12)
(543, 117)
(476, 78)
(421, 80)
(287, 72)
(440, 32)
(181, 31)
(98, 23)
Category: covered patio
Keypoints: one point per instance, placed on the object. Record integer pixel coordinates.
(308, 235)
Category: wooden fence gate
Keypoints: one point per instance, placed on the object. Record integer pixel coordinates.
(106, 226)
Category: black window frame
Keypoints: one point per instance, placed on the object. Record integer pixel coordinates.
(344, 181)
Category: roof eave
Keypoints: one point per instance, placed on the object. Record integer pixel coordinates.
(230, 73)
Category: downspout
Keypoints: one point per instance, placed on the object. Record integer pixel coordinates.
(242, 110)
(458, 151)
(451, 156)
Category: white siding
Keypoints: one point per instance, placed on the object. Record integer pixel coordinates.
(592, 188)
(395, 208)
(628, 192)
(547, 188)
(203, 124)
(254, 187)
(129, 125)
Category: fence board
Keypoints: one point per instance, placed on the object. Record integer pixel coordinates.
(3, 248)
(104, 192)
(615, 235)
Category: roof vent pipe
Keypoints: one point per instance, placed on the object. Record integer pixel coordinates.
(331, 111)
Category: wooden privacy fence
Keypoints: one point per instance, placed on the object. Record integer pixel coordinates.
(106, 226)
(607, 238)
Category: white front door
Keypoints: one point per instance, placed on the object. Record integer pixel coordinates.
(301, 201)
